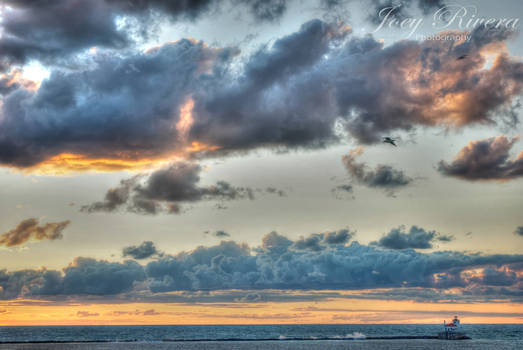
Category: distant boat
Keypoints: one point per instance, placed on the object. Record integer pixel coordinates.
(452, 330)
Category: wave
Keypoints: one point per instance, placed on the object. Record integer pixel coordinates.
(356, 335)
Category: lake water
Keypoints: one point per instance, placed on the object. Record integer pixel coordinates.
(170, 333)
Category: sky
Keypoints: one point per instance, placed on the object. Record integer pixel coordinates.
(223, 161)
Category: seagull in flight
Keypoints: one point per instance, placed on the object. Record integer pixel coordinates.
(389, 140)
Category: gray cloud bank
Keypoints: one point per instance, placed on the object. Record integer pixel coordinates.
(290, 94)
(280, 264)
(30, 230)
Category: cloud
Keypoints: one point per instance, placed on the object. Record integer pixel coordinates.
(84, 276)
(145, 250)
(282, 264)
(320, 241)
(492, 276)
(149, 312)
(343, 191)
(344, 188)
(338, 237)
(279, 192)
(279, 264)
(87, 314)
(128, 111)
(402, 9)
(486, 159)
(31, 30)
(416, 238)
(164, 190)
(383, 176)
(98, 115)
(266, 10)
(29, 229)
(519, 231)
(221, 234)
(260, 107)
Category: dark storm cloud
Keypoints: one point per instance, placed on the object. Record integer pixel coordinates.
(383, 176)
(519, 231)
(486, 159)
(101, 113)
(278, 264)
(29, 229)
(51, 31)
(164, 190)
(32, 29)
(275, 101)
(415, 238)
(145, 250)
(287, 95)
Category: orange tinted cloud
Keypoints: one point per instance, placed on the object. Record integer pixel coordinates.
(186, 118)
(67, 163)
(30, 230)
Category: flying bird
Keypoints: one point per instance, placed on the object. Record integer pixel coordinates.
(462, 57)
(389, 140)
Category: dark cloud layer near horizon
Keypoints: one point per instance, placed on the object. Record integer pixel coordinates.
(287, 95)
(84, 276)
(30, 230)
(486, 159)
(278, 264)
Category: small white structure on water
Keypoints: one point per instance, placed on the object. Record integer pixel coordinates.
(452, 331)
(453, 326)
